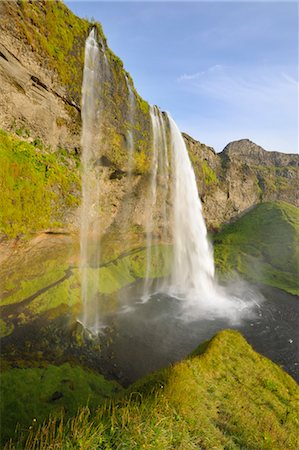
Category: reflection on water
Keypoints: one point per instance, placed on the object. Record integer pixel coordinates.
(151, 335)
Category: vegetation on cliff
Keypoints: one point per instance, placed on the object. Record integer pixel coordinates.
(224, 395)
(37, 186)
(262, 245)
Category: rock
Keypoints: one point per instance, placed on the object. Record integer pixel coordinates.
(56, 396)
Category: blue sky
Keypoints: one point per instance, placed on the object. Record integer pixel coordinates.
(224, 70)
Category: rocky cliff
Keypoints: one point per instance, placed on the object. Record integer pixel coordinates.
(41, 66)
(241, 176)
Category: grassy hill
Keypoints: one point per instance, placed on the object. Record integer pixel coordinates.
(263, 246)
(224, 396)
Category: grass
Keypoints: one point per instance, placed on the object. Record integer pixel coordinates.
(36, 185)
(262, 246)
(224, 396)
(33, 396)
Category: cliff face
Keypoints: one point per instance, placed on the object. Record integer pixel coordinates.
(41, 67)
(242, 175)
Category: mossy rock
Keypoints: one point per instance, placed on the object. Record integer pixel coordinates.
(37, 187)
(262, 245)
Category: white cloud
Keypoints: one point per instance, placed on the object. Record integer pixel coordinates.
(259, 103)
(198, 75)
(236, 86)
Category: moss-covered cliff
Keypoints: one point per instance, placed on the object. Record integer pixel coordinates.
(41, 61)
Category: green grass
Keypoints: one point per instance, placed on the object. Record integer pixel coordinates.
(36, 187)
(30, 401)
(224, 397)
(262, 246)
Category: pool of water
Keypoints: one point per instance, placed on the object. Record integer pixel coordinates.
(153, 334)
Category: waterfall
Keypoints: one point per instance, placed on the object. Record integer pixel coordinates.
(130, 119)
(157, 222)
(151, 203)
(193, 264)
(90, 209)
(192, 274)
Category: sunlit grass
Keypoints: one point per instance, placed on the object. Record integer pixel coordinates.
(227, 397)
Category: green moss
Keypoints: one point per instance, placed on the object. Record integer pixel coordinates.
(209, 174)
(143, 105)
(205, 175)
(262, 245)
(142, 162)
(5, 328)
(56, 33)
(27, 287)
(28, 395)
(226, 396)
(36, 186)
(45, 281)
(67, 293)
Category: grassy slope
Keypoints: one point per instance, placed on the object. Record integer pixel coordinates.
(224, 396)
(36, 186)
(28, 395)
(263, 246)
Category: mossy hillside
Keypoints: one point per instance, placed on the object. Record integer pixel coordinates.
(38, 392)
(52, 286)
(262, 245)
(37, 187)
(223, 396)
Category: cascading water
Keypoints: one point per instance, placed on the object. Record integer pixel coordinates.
(131, 114)
(152, 198)
(193, 264)
(90, 209)
(192, 277)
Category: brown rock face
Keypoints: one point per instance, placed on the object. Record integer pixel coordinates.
(241, 176)
(31, 96)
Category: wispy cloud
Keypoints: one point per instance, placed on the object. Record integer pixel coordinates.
(254, 102)
(243, 86)
(198, 75)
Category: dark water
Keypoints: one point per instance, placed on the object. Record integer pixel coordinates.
(151, 335)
